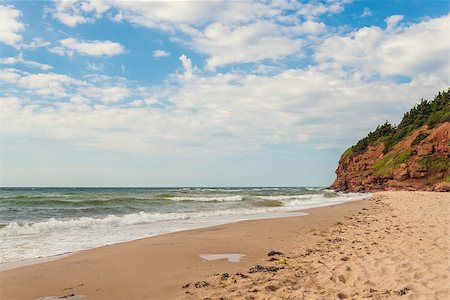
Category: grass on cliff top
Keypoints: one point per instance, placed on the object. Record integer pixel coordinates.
(346, 152)
(391, 162)
(435, 163)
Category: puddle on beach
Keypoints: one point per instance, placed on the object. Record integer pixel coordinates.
(231, 257)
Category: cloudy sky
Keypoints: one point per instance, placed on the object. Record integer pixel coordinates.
(206, 93)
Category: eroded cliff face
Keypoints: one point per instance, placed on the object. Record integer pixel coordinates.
(416, 163)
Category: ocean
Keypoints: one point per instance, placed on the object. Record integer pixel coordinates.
(38, 223)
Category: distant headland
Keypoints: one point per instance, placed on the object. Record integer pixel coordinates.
(414, 155)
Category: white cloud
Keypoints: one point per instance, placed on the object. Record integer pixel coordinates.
(9, 75)
(244, 44)
(175, 15)
(308, 27)
(315, 8)
(160, 53)
(199, 112)
(366, 13)
(95, 67)
(79, 99)
(106, 94)
(48, 84)
(167, 14)
(66, 13)
(60, 51)
(408, 51)
(90, 48)
(392, 21)
(10, 27)
(229, 32)
(222, 113)
(20, 60)
(95, 6)
(35, 43)
(187, 65)
(71, 12)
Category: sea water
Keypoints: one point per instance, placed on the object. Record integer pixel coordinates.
(45, 222)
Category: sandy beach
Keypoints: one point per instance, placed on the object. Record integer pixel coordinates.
(395, 244)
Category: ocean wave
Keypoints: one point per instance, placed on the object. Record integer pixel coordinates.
(324, 200)
(216, 198)
(76, 202)
(316, 189)
(228, 190)
(291, 202)
(290, 197)
(14, 229)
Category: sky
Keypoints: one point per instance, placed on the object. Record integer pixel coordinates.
(206, 93)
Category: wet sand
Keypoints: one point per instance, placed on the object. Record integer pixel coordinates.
(394, 243)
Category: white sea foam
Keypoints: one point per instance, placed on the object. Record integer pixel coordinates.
(290, 197)
(111, 221)
(314, 188)
(217, 198)
(56, 236)
(319, 200)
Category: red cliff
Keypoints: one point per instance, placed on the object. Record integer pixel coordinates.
(410, 165)
(414, 155)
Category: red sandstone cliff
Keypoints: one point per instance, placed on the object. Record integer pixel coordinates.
(407, 166)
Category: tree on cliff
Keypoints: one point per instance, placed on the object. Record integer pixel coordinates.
(426, 112)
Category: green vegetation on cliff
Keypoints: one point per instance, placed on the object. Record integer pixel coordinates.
(426, 112)
(435, 163)
(381, 131)
(391, 162)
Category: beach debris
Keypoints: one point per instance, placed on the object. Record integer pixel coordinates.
(224, 276)
(345, 258)
(186, 285)
(281, 262)
(71, 288)
(65, 297)
(241, 275)
(402, 292)
(272, 253)
(310, 251)
(259, 268)
(201, 284)
(271, 288)
(336, 240)
(341, 295)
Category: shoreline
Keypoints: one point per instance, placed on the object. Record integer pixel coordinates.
(287, 212)
(158, 267)
(228, 238)
(38, 260)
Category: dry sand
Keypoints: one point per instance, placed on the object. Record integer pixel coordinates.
(394, 245)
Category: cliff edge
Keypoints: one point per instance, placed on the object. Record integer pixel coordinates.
(414, 155)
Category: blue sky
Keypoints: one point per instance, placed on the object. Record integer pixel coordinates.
(142, 93)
